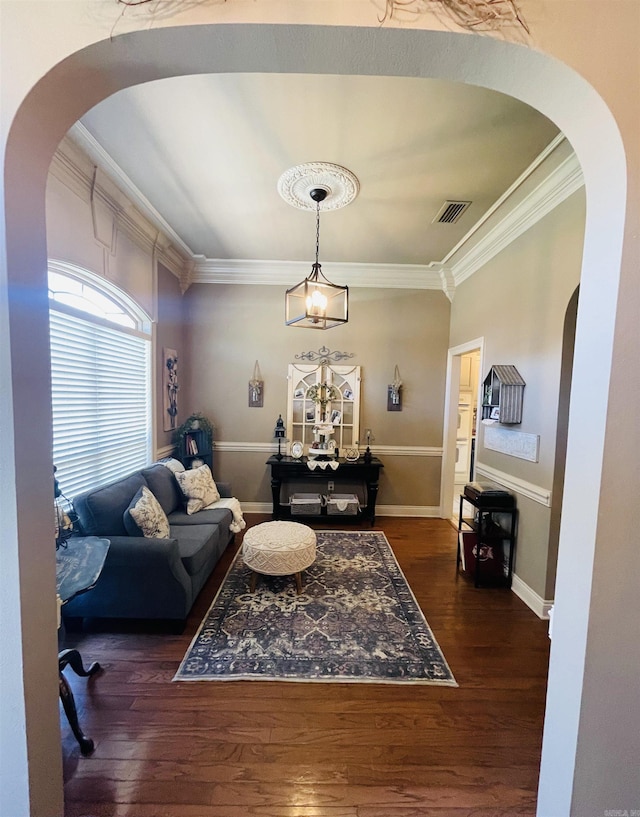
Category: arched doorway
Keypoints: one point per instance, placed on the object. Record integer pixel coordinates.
(82, 80)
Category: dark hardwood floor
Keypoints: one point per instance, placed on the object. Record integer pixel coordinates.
(265, 749)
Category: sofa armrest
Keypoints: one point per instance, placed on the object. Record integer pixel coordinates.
(131, 551)
(141, 578)
(224, 489)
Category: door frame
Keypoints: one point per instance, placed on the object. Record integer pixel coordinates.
(450, 422)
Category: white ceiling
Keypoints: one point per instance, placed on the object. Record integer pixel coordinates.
(207, 152)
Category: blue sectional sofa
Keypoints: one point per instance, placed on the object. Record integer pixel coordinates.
(146, 578)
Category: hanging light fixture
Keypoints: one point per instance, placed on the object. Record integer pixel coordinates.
(316, 303)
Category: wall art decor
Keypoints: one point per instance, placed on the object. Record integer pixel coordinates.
(256, 388)
(324, 356)
(394, 392)
(513, 443)
(170, 389)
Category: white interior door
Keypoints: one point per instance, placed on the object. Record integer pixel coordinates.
(463, 374)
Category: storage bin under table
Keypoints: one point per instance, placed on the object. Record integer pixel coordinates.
(305, 504)
(343, 505)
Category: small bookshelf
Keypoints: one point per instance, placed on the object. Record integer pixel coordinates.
(195, 448)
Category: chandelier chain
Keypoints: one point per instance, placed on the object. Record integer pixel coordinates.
(317, 231)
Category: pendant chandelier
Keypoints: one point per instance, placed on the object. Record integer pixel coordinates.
(317, 303)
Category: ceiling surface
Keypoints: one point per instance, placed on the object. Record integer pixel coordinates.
(207, 152)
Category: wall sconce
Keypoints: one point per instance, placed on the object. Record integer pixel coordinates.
(256, 388)
(394, 392)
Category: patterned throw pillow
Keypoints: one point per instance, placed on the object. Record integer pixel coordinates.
(199, 488)
(147, 513)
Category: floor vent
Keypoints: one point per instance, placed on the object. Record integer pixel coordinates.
(450, 212)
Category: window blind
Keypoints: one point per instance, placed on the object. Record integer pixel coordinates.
(101, 397)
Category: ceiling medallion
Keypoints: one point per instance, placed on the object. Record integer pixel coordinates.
(341, 186)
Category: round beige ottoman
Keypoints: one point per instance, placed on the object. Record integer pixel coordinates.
(279, 549)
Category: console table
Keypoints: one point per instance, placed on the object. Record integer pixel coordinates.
(290, 470)
(78, 566)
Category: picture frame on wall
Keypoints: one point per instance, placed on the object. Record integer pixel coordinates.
(256, 395)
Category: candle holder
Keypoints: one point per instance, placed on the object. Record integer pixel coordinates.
(368, 435)
(279, 434)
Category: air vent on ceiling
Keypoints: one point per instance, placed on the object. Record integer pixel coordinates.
(450, 212)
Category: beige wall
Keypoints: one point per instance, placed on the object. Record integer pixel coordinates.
(518, 302)
(230, 327)
(169, 334)
(85, 228)
(82, 230)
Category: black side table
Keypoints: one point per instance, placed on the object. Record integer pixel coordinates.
(78, 567)
(365, 471)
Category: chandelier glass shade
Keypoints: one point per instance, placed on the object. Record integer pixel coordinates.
(316, 303)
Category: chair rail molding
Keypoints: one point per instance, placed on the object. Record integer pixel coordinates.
(379, 450)
(520, 486)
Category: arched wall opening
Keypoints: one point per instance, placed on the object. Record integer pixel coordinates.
(87, 77)
(564, 400)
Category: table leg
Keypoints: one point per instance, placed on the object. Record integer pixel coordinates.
(372, 495)
(73, 659)
(276, 483)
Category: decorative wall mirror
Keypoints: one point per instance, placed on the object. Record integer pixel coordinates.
(322, 394)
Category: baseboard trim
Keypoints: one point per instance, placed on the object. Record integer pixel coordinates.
(256, 507)
(423, 511)
(533, 601)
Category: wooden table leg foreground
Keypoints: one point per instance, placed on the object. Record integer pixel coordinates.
(73, 659)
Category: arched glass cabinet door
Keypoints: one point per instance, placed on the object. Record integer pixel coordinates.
(323, 393)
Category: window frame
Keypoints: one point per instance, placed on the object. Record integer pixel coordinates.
(112, 461)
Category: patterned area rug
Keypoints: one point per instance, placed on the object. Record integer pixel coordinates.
(356, 621)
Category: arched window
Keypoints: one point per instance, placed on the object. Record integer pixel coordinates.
(100, 379)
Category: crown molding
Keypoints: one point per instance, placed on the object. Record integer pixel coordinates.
(286, 273)
(557, 186)
(445, 275)
(90, 145)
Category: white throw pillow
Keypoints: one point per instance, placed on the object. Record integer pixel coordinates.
(148, 515)
(199, 488)
(172, 464)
